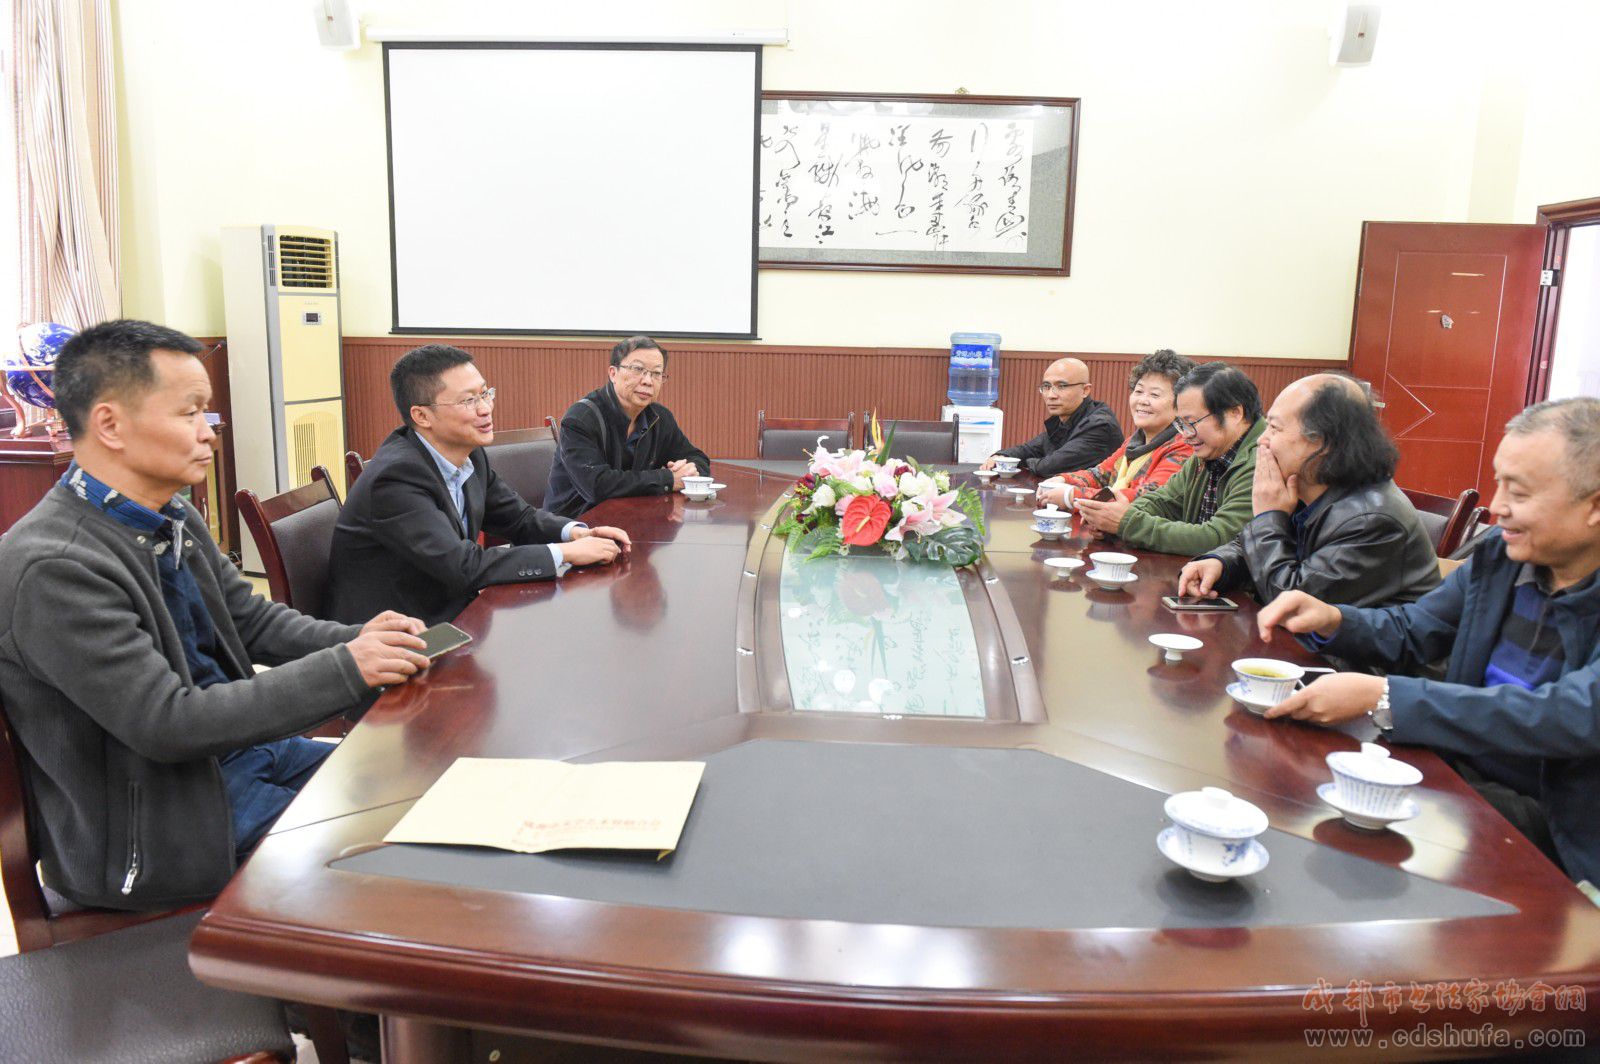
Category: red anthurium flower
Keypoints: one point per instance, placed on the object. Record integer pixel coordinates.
(864, 520)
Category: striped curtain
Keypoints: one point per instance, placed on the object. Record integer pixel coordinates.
(67, 141)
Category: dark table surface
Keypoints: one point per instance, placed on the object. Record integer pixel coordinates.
(641, 660)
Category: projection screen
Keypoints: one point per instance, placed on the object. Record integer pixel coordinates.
(573, 189)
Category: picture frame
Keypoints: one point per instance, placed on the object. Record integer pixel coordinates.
(929, 183)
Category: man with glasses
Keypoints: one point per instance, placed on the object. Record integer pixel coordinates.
(1207, 501)
(1079, 432)
(619, 440)
(407, 537)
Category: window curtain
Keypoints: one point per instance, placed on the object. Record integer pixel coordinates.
(67, 144)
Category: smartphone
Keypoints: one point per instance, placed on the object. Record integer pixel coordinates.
(443, 638)
(1105, 495)
(1193, 603)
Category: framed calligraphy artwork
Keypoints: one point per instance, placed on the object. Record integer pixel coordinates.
(955, 184)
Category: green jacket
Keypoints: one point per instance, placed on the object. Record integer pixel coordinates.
(1165, 520)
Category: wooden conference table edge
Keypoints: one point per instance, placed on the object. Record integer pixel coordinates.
(1232, 986)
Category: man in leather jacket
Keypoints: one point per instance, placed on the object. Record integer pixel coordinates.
(1329, 520)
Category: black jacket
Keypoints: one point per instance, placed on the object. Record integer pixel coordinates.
(1361, 547)
(593, 464)
(1085, 439)
(398, 544)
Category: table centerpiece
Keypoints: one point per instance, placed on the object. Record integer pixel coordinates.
(866, 500)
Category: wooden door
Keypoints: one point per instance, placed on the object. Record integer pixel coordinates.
(1444, 324)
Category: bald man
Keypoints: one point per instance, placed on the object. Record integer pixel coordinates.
(1329, 520)
(1079, 431)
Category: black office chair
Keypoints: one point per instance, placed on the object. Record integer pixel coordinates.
(788, 438)
(294, 533)
(933, 442)
(523, 458)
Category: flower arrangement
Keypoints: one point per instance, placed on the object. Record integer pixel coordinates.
(865, 499)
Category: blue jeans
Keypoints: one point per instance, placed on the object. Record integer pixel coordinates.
(261, 782)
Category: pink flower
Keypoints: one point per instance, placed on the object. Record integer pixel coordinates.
(928, 514)
(841, 464)
(883, 483)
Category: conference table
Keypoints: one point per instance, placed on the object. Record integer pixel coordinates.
(927, 830)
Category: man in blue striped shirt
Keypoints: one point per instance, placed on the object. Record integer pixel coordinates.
(1519, 707)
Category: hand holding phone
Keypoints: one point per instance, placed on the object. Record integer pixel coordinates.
(443, 638)
(1196, 604)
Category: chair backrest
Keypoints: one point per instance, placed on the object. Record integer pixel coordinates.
(321, 473)
(1446, 519)
(784, 438)
(522, 458)
(30, 914)
(294, 533)
(353, 465)
(926, 441)
(1478, 526)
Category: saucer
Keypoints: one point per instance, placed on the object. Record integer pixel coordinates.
(1065, 566)
(1255, 859)
(984, 474)
(1020, 492)
(1255, 705)
(1007, 474)
(707, 497)
(1329, 792)
(1176, 645)
(1046, 535)
(1112, 583)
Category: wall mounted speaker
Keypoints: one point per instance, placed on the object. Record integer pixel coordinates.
(1354, 34)
(336, 25)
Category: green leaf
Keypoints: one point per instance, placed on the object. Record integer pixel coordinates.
(969, 502)
(888, 442)
(957, 546)
(828, 542)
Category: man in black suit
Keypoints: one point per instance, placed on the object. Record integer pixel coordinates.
(619, 440)
(407, 536)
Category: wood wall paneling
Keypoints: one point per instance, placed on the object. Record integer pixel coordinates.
(716, 389)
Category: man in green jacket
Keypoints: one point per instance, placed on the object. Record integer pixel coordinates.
(1208, 501)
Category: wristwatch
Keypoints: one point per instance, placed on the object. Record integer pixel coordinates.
(1380, 713)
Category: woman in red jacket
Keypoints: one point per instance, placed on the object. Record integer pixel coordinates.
(1156, 449)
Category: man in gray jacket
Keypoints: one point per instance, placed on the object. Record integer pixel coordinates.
(153, 756)
(1329, 520)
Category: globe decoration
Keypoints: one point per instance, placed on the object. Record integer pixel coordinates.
(29, 369)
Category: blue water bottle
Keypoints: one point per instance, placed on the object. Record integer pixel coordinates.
(974, 368)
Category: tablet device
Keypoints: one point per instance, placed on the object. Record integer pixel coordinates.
(443, 638)
(1195, 604)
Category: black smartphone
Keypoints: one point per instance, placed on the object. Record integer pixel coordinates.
(1195, 604)
(1105, 495)
(443, 638)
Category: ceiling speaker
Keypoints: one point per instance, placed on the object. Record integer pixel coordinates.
(1354, 33)
(336, 25)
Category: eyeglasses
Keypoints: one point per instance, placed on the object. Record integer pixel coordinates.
(655, 376)
(1046, 387)
(1186, 427)
(485, 397)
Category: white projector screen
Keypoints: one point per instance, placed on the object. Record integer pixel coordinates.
(573, 189)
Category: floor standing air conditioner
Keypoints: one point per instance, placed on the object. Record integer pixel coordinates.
(281, 289)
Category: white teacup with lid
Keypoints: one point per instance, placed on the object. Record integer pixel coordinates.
(1215, 829)
(1051, 518)
(1370, 781)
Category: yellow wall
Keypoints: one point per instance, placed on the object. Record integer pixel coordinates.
(1224, 171)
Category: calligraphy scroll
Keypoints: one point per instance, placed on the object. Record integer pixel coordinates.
(965, 183)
